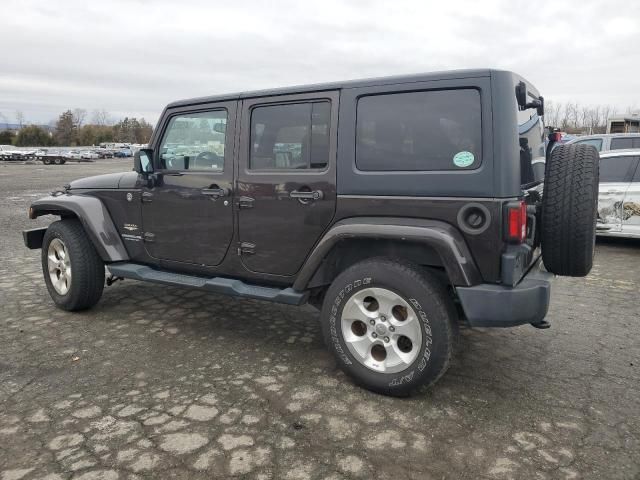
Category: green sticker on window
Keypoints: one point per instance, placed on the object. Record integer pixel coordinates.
(463, 159)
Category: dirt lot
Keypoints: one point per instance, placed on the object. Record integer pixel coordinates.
(158, 382)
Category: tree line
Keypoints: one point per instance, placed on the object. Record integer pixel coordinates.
(72, 129)
(574, 117)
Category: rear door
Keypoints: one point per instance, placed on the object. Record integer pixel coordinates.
(286, 183)
(615, 175)
(631, 205)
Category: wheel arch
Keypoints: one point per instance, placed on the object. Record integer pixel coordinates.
(424, 242)
(93, 216)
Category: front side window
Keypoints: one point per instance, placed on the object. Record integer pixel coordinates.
(419, 131)
(616, 169)
(195, 141)
(595, 142)
(290, 137)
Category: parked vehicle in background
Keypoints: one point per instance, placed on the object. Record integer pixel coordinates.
(605, 142)
(104, 153)
(619, 198)
(88, 155)
(124, 153)
(73, 154)
(427, 208)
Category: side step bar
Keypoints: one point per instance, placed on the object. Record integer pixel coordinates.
(225, 286)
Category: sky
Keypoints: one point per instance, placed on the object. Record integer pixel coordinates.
(133, 57)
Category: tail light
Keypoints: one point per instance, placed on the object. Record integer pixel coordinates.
(516, 217)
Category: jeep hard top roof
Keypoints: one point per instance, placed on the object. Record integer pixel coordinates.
(366, 82)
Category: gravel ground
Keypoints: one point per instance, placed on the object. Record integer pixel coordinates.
(159, 382)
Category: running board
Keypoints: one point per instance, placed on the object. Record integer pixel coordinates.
(225, 286)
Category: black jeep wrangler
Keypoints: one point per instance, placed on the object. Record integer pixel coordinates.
(397, 206)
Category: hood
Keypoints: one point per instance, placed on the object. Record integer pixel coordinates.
(109, 180)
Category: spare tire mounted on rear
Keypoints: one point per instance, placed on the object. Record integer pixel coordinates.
(569, 208)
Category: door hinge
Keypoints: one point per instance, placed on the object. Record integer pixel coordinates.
(149, 237)
(245, 202)
(246, 248)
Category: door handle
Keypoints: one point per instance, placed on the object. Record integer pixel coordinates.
(304, 195)
(216, 192)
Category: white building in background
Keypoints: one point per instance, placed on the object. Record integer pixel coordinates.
(629, 123)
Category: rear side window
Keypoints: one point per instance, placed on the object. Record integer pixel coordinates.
(419, 131)
(290, 137)
(625, 142)
(595, 142)
(617, 169)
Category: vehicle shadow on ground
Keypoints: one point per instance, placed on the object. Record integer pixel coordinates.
(485, 357)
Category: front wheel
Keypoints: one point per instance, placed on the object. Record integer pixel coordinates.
(73, 271)
(390, 324)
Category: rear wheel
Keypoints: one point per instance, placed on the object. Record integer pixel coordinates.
(390, 324)
(58, 161)
(569, 210)
(73, 271)
(46, 161)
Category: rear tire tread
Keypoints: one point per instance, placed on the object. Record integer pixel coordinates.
(568, 210)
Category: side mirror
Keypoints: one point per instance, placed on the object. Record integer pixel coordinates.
(220, 127)
(142, 161)
(540, 107)
(521, 94)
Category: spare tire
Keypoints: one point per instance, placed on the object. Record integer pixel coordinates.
(569, 210)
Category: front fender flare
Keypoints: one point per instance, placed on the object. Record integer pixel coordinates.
(446, 240)
(94, 217)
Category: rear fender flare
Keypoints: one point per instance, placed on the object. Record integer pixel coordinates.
(446, 240)
(94, 217)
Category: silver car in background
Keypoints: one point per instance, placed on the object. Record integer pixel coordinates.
(619, 198)
(609, 141)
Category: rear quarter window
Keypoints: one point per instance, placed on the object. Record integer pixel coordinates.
(419, 131)
(620, 143)
(532, 146)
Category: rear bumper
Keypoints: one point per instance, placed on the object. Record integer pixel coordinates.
(488, 305)
(33, 238)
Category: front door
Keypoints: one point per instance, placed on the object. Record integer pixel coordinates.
(286, 179)
(187, 208)
(615, 175)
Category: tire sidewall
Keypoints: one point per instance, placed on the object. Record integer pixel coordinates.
(436, 336)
